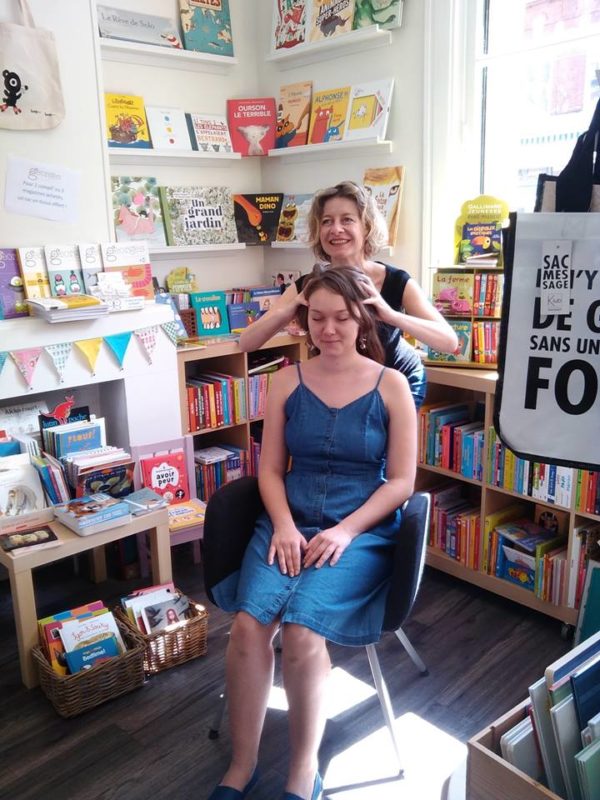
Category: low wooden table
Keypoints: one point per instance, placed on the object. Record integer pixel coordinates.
(21, 580)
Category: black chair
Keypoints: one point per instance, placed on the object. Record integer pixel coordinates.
(228, 526)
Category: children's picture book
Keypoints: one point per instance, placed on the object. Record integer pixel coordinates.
(211, 312)
(117, 23)
(25, 541)
(252, 123)
(144, 500)
(209, 133)
(166, 474)
(115, 480)
(240, 315)
(257, 216)
(289, 23)
(328, 115)
(168, 128)
(64, 269)
(369, 109)
(132, 260)
(207, 26)
(281, 280)
(167, 300)
(293, 220)
(83, 631)
(86, 656)
(49, 632)
(20, 487)
(385, 185)
(126, 124)
(293, 114)
(464, 331)
(330, 19)
(12, 294)
(75, 437)
(452, 293)
(385, 13)
(62, 414)
(159, 616)
(137, 210)
(91, 264)
(34, 272)
(93, 513)
(478, 231)
(198, 215)
(265, 296)
(183, 515)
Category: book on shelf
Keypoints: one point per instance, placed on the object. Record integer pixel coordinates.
(464, 331)
(240, 315)
(478, 231)
(166, 474)
(91, 264)
(198, 215)
(518, 747)
(92, 653)
(265, 296)
(144, 500)
(585, 685)
(386, 14)
(588, 621)
(168, 128)
(452, 292)
(587, 764)
(49, 632)
(75, 437)
(12, 294)
(568, 741)
(206, 26)
(21, 489)
(68, 309)
(118, 23)
(293, 114)
(164, 298)
(132, 260)
(289, 24)
(64, 269)
(146, 594)
(385, 185)
(34, 272)
(328, 115)
(64, 413)
(93, 513)
(81, 635)
(137, 210)
(211, 312)
(126, 124)
(293, 219)
(252, 122)
(160, 616)
(209, 133)
(330, 19)
(257, 216)
(28, 540)
(369, 110)
(115, 479)
(184, 515)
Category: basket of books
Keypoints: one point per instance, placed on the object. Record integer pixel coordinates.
(72, 694)
(174, 628)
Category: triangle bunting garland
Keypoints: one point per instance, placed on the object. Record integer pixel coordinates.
(118, 344)
(3, 357)
(147, 338)
(27, 361)
(90, 349)
(59, 353)
(171, 328)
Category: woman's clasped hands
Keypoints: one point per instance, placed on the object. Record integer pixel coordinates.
(293, 552)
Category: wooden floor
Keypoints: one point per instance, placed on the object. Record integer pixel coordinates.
(482, 652)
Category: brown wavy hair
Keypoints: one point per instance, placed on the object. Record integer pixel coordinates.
(353, 286)
(376, 233)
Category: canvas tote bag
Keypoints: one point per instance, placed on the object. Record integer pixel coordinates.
(30, 91)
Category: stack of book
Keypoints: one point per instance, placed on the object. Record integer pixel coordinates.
(68, 308)
(216, 466)
(93, 513)
(156, 608)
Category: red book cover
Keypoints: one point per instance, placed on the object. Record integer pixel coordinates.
(166, 474)
(252, 123)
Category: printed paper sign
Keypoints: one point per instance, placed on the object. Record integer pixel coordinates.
(555, 279)
(42, 190)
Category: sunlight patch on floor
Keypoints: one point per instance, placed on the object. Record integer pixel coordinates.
(343, 692)
(430, 756)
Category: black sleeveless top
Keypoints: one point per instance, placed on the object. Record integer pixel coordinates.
(399, 354)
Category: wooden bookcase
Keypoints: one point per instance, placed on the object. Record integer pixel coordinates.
(457, 385)
(228, 358)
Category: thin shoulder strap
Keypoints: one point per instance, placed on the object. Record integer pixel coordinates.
(299, 372)
(379, 379)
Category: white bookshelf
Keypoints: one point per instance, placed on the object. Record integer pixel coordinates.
(164, 57)
(133, 156)
(329, 150)
(199, 251)
(343, 45)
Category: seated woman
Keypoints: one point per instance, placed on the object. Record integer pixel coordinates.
(319, 562)
(347, 228)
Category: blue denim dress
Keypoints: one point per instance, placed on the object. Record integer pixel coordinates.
(338, 461)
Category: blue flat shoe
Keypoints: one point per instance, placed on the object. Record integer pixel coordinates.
(316, 792)
(228, 793)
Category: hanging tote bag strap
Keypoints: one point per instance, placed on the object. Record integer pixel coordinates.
(575, 182)
(30, 89)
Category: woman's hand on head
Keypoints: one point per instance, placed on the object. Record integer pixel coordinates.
(287, 546)
(376, 301)
(328, 545)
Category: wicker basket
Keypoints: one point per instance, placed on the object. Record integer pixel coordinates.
(73, 694)
(165, 649)
(188, 317)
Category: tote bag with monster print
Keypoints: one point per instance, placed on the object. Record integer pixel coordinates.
(30, 91)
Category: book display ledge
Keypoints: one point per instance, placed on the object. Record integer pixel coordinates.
(464, 385)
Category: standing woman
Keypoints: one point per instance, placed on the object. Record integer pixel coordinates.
(347, 229)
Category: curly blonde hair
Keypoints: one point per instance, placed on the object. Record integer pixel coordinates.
(353, 286)
(376, 233)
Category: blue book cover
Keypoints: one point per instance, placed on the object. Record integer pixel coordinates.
(77, 440)
(207, 26)
(241, 315)
(83, 512)
(211, 313)
(86, 657)
(585, 683)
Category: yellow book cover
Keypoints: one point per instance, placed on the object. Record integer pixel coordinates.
(126, 124)
(330, 18)
(293, 114)
(328, 115)
(183, 515)
(491, 521)
(34, 272)
(385, 185)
